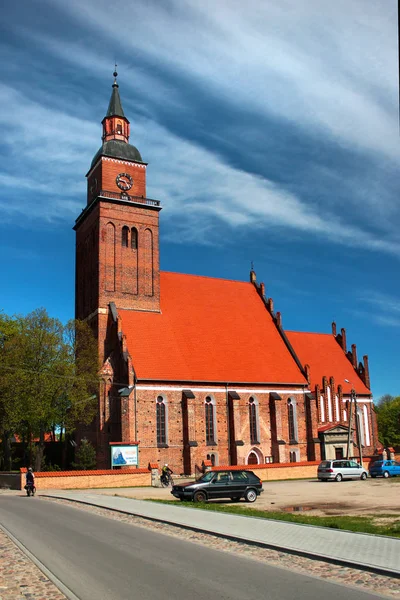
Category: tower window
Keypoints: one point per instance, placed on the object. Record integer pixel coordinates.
(125, 236)
(134, 238)
(119, 128)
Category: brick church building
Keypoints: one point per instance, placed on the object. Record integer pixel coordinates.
(198, 368)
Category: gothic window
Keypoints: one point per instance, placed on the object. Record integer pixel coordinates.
(161, 415)
(125, 236)
(366, 426)
(293, 456)
(210, 421)
(330, 409)
(134, 238)
(119, 128)
(253, 421)
(292, 420)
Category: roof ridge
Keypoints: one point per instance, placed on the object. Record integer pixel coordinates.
(205, 277)
(309, 332)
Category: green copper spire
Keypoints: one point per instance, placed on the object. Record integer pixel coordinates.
(115, 107)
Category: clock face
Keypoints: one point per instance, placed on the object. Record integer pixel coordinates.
(124, 181)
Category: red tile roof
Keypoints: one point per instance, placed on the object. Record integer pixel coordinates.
(213, 330)
(326, 358)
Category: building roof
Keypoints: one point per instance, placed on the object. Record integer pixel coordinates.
(117, 149)
(326, 358)
(212, 330)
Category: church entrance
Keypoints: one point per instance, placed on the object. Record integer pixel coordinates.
(252, 460)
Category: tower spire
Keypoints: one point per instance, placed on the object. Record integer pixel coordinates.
(115, 107)
(115, 124)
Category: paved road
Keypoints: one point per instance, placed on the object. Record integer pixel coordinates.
(100, 558)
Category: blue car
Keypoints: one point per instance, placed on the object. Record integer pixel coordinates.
(384, 468)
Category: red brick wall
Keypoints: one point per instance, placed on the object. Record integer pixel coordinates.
(66, 480)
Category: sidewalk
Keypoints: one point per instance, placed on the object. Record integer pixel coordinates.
(376, 553)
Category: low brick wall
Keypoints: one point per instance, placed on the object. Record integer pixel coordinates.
(65, 480)
(279, 471)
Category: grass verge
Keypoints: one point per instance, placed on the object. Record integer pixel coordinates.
(371, 524)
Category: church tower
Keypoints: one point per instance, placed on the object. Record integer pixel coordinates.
(117, 233)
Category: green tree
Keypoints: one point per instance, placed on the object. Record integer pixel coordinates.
(85, 456)
(388, 415)
(51, 376)
(9, 410)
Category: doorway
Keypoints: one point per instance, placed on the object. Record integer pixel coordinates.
(339, 453)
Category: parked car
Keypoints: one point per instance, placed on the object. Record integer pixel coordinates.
(337, 470)
(384, 468)
(233, 484)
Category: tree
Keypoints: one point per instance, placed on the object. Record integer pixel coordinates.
(51, 376)
(85, 456)
(388, 416)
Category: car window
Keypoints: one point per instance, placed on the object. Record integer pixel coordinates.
(353, 464)
(206, 477)
(240, 476)
(339, 464)
(378, 463)
(223, 477)
(325, 464)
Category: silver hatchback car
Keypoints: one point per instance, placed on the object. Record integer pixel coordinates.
(337, 470)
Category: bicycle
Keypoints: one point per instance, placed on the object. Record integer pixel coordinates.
(166, 480)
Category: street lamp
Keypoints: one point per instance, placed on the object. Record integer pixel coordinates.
(353, 398)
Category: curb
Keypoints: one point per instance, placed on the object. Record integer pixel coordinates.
(57, 582)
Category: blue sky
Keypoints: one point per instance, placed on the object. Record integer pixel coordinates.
(271, 132)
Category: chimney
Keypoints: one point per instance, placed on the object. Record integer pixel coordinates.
(334, 328)
(278, 317)
(270, 305)
(354, 355)
(262, 289)
(366, 372)
(253, 277)
(344, 345)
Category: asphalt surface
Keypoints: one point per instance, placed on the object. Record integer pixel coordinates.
(100, 558)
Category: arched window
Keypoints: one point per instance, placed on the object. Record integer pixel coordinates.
(253, 421)
(293, 456)
(292, 420)
(134, 238)
(366, 426)
(125, 236)
(161, 410)
(322, 409)
(330, 409)
(119, 128)
(210, 420)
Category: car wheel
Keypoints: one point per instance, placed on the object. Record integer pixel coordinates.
(235, 498)
(363, 476)
(200, 497)
(339, 477)
(251, 495)
(386, 474)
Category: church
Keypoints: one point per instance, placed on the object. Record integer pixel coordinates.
(196, 368)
